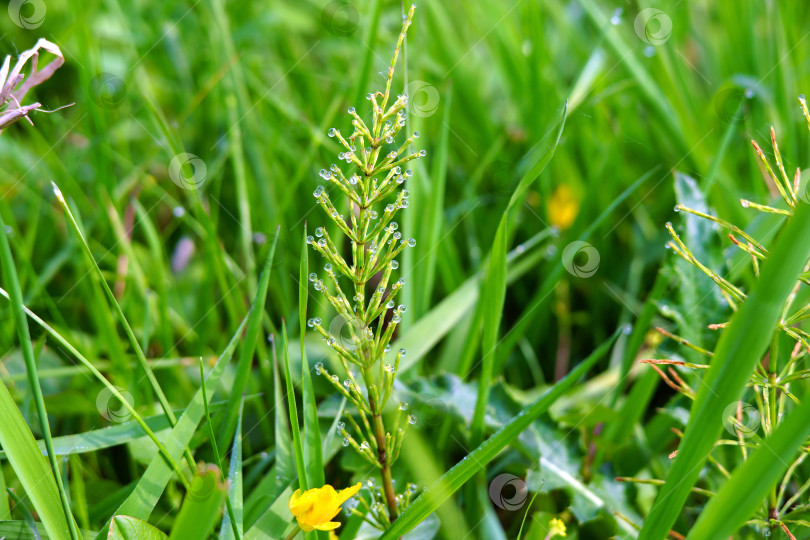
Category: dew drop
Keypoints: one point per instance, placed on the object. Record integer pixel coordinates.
(403, 406)
(331, 132)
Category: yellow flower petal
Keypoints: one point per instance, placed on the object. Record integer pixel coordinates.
(315, 508)
(328, 526)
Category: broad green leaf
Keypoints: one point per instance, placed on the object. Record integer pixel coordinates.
(743, 493)
(740, 347)
(202, 505)
(433, 497)
(129, 528)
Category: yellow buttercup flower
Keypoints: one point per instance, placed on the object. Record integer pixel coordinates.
(315, 508)
(563, 207)
(556, 527)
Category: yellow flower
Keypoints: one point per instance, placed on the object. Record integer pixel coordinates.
(315, 508)
(332, 535)
(563, 207)
(556, 527)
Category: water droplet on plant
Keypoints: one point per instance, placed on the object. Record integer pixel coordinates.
(749, 93)
(389, 140)
(353, 179)
(394, 265)
(389, 368)
(411, 419)
(351, 110)
(390, 304)
(313, 277)
(331, 132)
(345, 442)
(412, 242)
(317, 321)
(422, 153)
(408, 172)
(392, 155)
(327, 267)
(745, 203)
(369, 96)
(319, 368)
(403, 406)
(402, 352)
(335, 378)
(373, 214)
(310, 323)
(322, 242)
(179, 211)
(616, 19)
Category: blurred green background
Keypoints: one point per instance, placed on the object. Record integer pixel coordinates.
(250, 89)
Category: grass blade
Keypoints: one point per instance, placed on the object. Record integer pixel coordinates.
(494, 287)
(452, 480)
(129, 528)
(150, 375)
(30, 466)
(235, 498)
(750, 483)
(313, 452)
(201, 507)
(740, 347)
(248, 348)
(147, 492)
(293, 412)
(9, 273)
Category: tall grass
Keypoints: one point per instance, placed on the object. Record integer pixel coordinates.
(188, 161)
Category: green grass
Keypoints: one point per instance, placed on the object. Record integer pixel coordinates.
(99, 300)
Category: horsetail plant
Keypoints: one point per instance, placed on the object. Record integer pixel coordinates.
(770, 382)
(376, 155)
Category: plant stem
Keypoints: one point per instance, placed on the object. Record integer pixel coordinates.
(382, 454)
